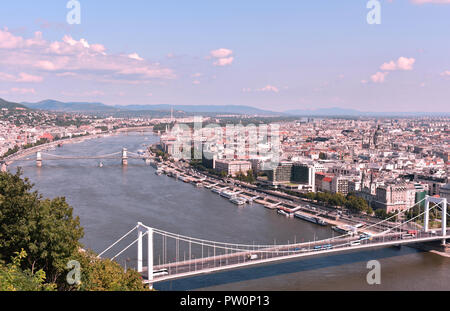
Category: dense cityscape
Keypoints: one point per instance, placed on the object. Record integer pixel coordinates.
(390, 163)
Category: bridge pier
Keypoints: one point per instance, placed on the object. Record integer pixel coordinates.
(444, 219)
(150, 257)
(139, 249)
(124, 157)
(442, 202)
(140, 268)
(4, 167)
(38, 159)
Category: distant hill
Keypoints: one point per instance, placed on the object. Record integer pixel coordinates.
(54, 105)
(229, 109)
(10, 105)
(336, 111)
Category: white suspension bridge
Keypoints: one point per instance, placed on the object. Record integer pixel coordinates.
(123, 155)
(183, 256)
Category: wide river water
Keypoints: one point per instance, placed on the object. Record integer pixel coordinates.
(110, 201)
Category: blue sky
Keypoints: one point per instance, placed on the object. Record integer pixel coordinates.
(275, 55)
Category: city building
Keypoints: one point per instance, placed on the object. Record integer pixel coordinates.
(395, 197)
(232, 167)
(304, 174)
(282, 173)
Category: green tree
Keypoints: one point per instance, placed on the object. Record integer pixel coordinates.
(45, 229)
(250, 178)
(105, 275)
(42, 235)
(13, 278)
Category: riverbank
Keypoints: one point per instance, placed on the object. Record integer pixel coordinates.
(236, 192)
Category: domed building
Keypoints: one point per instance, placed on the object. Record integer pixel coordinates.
(378, 137)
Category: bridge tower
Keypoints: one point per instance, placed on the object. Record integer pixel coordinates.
(141, 229)
(442, 202)
(124, 157)
(38, 159)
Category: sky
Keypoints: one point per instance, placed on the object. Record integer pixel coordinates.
(274, 55)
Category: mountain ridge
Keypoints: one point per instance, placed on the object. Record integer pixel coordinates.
(10, 105)
(54, 105)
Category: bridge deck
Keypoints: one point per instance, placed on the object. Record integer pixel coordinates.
(232, 261)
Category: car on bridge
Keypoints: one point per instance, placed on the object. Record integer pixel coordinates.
(323, 247)
(365, 236)
(160, 272)
(408, 236)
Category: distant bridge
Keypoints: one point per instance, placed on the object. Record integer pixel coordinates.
(123, 155)
(217, 256)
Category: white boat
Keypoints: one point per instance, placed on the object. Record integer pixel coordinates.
(237, 201)
(312, 219)
(345, 229)
(228, 194)
(101, 164)
(281, 212)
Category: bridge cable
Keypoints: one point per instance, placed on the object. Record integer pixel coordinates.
(112, 245)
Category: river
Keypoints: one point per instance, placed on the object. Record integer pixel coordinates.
(110, 200)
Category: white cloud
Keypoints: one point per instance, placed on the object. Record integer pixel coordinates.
(9, 41)
(221, 53)
(389, 66)
(267, 88)
(22, 77)
(76, 56)
(223, 57)
(379, 77)
(403, 63)
(135, 56)
(224, 61)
